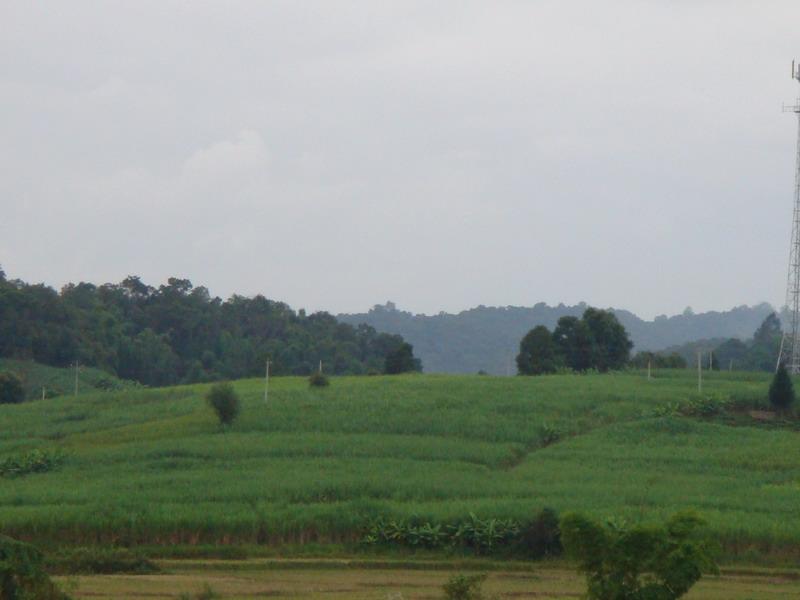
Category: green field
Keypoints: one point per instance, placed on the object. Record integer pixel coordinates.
(317, 465)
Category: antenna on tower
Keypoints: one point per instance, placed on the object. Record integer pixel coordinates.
(789, 353)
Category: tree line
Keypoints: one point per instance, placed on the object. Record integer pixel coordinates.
(179, 333)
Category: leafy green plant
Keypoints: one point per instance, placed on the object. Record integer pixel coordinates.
(464, 587)
(22, 576)
(638, 562)
(223, 400)
(542, 536)
(548, 435)
(319, 380)
(33, 461)
(11, 390)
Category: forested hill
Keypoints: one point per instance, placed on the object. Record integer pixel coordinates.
(487, 338)
(178, 333)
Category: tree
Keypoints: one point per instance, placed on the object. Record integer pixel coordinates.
(781, 390)
(11, 390)
(401, 360)
(223, 400)
(573, 342)
(611, 345)
(537, 352)
(638, 562)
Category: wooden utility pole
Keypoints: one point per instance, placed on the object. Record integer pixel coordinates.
(266, 384)
(648, 369)
(699, 372)
(77, 367)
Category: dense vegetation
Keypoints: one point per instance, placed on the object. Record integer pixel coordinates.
(325, 464)
(486, 338)
(595, 341)
(178, 333)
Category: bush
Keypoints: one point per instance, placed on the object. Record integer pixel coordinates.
(103, 561)
(781, 391)
(11, 390)
(464, 587)
(319, 380)
(542, 536)
(22, 575)
(223, 399)
(639, 562)
(34, 461)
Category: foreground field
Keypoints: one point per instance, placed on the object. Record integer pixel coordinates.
(336, 581)
(151, 466)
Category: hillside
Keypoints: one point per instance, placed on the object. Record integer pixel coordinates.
(153, 466)
(487, 338)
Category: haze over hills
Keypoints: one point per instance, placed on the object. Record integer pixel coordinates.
(487, 338)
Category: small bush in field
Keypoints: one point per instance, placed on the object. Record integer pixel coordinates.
(319, 380)
(11, 390)
(464, 587)
(223, 399)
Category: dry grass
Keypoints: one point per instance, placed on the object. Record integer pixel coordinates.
(271, 579)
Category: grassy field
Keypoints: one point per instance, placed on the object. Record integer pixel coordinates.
(317, 465)
(337, 581)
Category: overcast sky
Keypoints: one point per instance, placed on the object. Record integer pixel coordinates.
(442, 155)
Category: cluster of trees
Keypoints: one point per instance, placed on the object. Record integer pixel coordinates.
(595, 341)
(178, 333)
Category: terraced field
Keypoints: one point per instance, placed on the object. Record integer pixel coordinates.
(152, 466)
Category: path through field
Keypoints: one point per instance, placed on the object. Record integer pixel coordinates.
(334, 580)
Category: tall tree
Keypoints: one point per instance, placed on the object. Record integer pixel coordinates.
(537, 352)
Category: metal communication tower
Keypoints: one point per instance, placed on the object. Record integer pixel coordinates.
(790, 344)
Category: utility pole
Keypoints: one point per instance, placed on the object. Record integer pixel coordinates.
(77, 367)
(648, 368)
(790, 343)
(320, 366)
(699, 372)
(266, 384)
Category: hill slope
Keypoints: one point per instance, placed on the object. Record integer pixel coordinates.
(152, 465)
(56, 381)
(487, 338)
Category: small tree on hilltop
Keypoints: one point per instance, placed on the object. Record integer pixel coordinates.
(11, 390)
(223, 399)
(781, 391)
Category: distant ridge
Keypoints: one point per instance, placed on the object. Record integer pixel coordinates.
(486, 338)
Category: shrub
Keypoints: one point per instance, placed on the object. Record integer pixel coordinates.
(223, 399)
(464, 587)
(639, 562)
(542, 536)
(781, 391)
(11, 390)
(318, 380)
(22, 575)
(104, 561)
(207, 593)
(34, 461)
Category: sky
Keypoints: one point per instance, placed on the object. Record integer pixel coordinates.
(441, 155)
